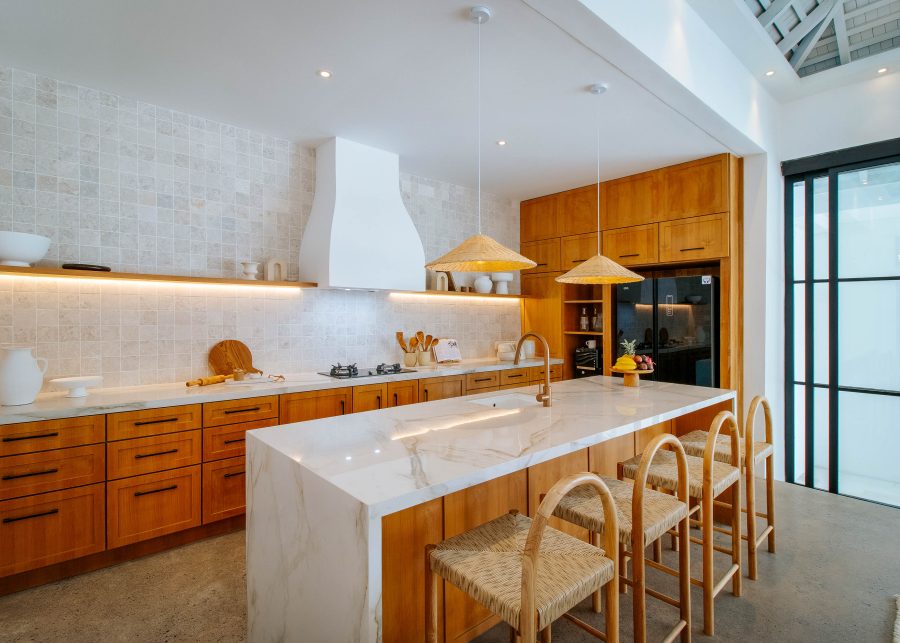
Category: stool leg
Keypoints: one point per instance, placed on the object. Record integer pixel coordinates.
(513, 637)
(750, 473)
(684, 578)
(596, 602)
(706, 510)
(736, 536)
(639, 599)
(545, 635)
(431, 603)
(623, 568)
(770, 499)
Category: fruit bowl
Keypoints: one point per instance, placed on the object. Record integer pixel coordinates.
(21, 248)
(631, 377)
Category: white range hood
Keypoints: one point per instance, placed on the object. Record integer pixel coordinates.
(359, 233)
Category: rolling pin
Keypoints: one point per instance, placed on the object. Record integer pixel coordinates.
(206, 381)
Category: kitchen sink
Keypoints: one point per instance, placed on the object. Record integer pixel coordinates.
(509, 401)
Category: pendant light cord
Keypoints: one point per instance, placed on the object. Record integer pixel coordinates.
(598, 188)
(478, 122)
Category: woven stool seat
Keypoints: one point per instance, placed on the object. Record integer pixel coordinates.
(695, 444)
(582, 507)
(486, 564)
(664, 473)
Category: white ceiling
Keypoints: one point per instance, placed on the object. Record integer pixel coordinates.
(403, 80)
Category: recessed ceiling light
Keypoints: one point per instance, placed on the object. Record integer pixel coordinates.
(883, 70)
(323, 73)
(771, 72)
(501, 142)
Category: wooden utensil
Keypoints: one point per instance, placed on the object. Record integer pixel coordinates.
(206, 381)
(413, 344)
(402, 341)
(428, 340)
(420, 335)
(230, 354)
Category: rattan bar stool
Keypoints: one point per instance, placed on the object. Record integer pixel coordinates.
(695, 444)
(707, 480)
(644, 516)
(526, 572)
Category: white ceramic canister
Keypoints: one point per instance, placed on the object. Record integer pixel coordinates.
(20, 376)
(483, 285)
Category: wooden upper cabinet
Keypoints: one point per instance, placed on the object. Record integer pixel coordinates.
(695, 188)
(631, 200)
(370, 397)
(299, 407)
(577, 211)
(542, 311)
(538, 218)
(544, 253)
(402, 393)
(693, 239)
(576, 250)
(637, 245)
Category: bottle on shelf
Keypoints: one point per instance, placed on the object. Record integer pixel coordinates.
(596, 321)
(583, 323)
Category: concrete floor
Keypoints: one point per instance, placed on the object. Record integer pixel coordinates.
(833, 577)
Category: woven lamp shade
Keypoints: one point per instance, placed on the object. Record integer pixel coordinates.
(480, 253)
(599, 270)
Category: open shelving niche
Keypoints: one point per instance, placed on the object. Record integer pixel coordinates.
(574, 298)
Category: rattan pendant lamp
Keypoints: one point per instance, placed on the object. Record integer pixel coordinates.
(480, 253)
(599, 269)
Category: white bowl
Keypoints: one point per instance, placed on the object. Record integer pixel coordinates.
(22, 249)
(77, 386)
(506, 356)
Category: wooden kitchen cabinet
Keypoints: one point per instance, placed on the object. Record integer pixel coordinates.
(26, 437)
(538, 218)
(30, 473)
(441, 388)
(137, 456)
(576, 250)
(544, 253)
(370, 397)
(637, 245)
(542, 310)
(630, 201)
(695, 188)
(224, 492)
(139, 424)
(694, 239)
(605, 457)
(537, 373)
(643, 437)
(243, 410)
(577, 211)
(402, 393)
(229, 441)
(541, 477)
(515, 377)
(313, 405)
(481, 382)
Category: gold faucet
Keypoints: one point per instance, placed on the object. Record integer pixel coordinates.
(544, 395)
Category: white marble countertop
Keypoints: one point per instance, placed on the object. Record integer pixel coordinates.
(395, 458)
(51, 406)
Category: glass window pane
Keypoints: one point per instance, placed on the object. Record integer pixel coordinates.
(820, 228)
(799, 229)
(800, 434)
(820, 333)
(869, 334)
(820, 438)
(799, 333)
(869, 441)
(869, 222)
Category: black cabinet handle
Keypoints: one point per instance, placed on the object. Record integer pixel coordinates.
(234, 440)
(163, 421)
(147, 493)
(690, 249)
(483, 379)
(395, 400)
(578, 260)
(426, 394)
(378, 399)
(633, 254)
(231, 475)
(540, 264)
(247, 410)
(138, 456)
(509, 377)
(29, 475)
(6, 521)
(32, 437)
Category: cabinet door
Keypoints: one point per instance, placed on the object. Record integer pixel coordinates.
(538, 218)
(542, 311)
(577, 211)
(223, 489)
(643, 437)
(637, 245)
(137, 456)
(606, 456)
(370, 397)
(27, 437)
(695, 188)
(229, 441)
(299, 407)
(693, 239)
(544, 253)
(576, 250)
(629, 201)
(22, 475)
(401, 393)
(541, 477)
(440, 388)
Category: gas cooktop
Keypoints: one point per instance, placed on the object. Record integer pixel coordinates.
(352, 371)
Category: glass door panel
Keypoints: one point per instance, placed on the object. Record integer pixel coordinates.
(868, 446)
(869, 335)
(869, 222)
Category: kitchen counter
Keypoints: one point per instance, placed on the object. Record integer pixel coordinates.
(317, 492)
(51, 406)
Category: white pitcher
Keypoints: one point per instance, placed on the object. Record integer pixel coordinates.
(21, 377)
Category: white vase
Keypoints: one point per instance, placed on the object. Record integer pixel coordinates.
(251, 268)
(20, 376)
(483, 285)
(501, 279)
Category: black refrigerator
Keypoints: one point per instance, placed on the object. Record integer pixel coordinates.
(675, 321)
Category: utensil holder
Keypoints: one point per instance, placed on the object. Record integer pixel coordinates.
(409, 359)
(424, 358)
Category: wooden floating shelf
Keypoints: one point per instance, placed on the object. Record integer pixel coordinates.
(583, 332)
(583, 301)
(40, 271)
(453, 293)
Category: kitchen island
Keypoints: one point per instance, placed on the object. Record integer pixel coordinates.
(340, 509)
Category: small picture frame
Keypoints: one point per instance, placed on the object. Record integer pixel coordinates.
(447, 351)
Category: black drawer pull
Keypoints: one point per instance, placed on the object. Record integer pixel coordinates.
(28, 475)
(147, 493)
(509, 377)
(234, 440)
(633, 254)
(163, 421)
(378, 399)
(247, 410)
(150, 455)
(540, 264)
(231, 475)
(342, 407)
(483, 379)
(32, 437)
(6, 521)
(690, 249)
(578, 260)
(395, 400)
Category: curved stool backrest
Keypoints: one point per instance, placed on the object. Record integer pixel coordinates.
(723, 419)
(755, 403)
(640, 479)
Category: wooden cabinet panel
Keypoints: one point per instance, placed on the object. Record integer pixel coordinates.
(544, 253)
(441, 388)
(577, 211)
(695, 188)
(224, 492)
(693, 239)
(369, 397)
(632, 246)
(465, 510)
(51, 527)
(402, 393)
(576, 250)
(541, 477)
(404, 535)
(537, 373)
(538, 218)
(152, 505)
(643, 437)
(21, 475)
(27, 437)
(312, 405)
(157, 453)
(245, 410)
(605, 457)
(631, 200)
(228, 441)
(477, 382)
(542, 311)
(139, 424)
(515, 377)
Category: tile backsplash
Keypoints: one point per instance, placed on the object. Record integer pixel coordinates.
(141, 188)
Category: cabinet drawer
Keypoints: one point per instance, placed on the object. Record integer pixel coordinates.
(576, 250)
(152, 505)
(476, 381)
(544, 253)
(233, 411)
(157, 453)
(21, 475)
(537, 373)
(632, 246)
(228, 441)
(514, 376)
(139, 424)
(223, 489)
(51, 527)
(695, 238)
(28, 437)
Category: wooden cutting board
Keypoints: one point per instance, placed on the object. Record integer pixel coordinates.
(230, 354)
